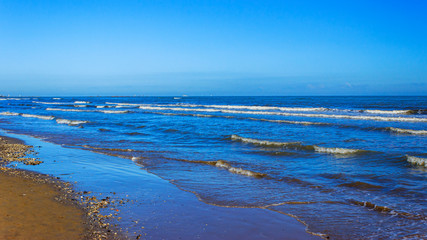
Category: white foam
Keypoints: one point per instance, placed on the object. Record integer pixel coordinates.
(226, 165)
(100, 106)
(56, 98)
(290, 122)
(81, 102)
(222, 164)
(408, 131)
(3, 99)
(37, 116)
(135, 158)
(10, 114)
(243, 172)
(417, 160)
(262, 142)
(51, 103)
(70, 122)
(81, 106)
(67, 110)
(387, 111)
(82, 110)
(124, 104)
(335, 150)
(111, 111)
(315, 115)
(298, 145)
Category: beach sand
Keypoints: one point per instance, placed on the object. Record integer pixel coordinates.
(38, 206)
(29, 209)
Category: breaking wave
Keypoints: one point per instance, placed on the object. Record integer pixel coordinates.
(226, 165)
(297, 145)
(50, 103)
(82, 110)
(70, 122)
(290, 122)
(28, 115)
(417, 160)
(315, 115)
(10, 114)
(384, 209)
(67, 110)
(81, 102)
(263, 142)
(336, 150)
(112, 111)
(37, 116)
(388, 111)
(407, 131)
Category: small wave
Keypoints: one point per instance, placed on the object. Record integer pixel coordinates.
(290, 109)
(124, 104)
(113, 112)
(49, 103)
(10, 114)
(297, 145)
(109, 149)
(290, 122)
(417, 160)
(67, 110)
(37, 116)
(81, 102)
(336, 150)
(388, 111)
(80, 106)
(361, 185)
(82, 110)
(70, 122)
(226, 165)
(263, 142)
(384, 209)
(103, 106)
(314, 115)
(407, 131)
(296, 109)
(56, 98)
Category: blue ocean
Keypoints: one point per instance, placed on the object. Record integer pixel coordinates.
(345, 167)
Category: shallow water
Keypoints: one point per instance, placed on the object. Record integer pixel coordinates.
(348, 167)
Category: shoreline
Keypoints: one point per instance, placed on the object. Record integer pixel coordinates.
(156, 209)
(39, 206)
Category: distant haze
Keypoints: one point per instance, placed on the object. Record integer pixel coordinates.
(213, 48)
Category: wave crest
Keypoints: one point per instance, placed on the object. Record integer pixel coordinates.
(297, 145)
(407, 131)
(70, 122)
(417, 160)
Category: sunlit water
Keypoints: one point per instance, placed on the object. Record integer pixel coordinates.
(348, 167)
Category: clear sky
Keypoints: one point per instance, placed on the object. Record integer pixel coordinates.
(198, 47)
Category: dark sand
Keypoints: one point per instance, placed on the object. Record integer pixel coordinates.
(37, 206)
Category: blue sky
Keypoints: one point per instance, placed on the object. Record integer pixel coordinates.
(213, 47)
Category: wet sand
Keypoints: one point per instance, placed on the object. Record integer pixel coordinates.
(30, 209)
(37, 206)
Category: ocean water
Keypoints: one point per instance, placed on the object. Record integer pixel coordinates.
(346, 167)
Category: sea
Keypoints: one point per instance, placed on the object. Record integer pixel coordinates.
(345, 167)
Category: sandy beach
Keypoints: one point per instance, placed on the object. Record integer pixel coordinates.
(38, 206)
